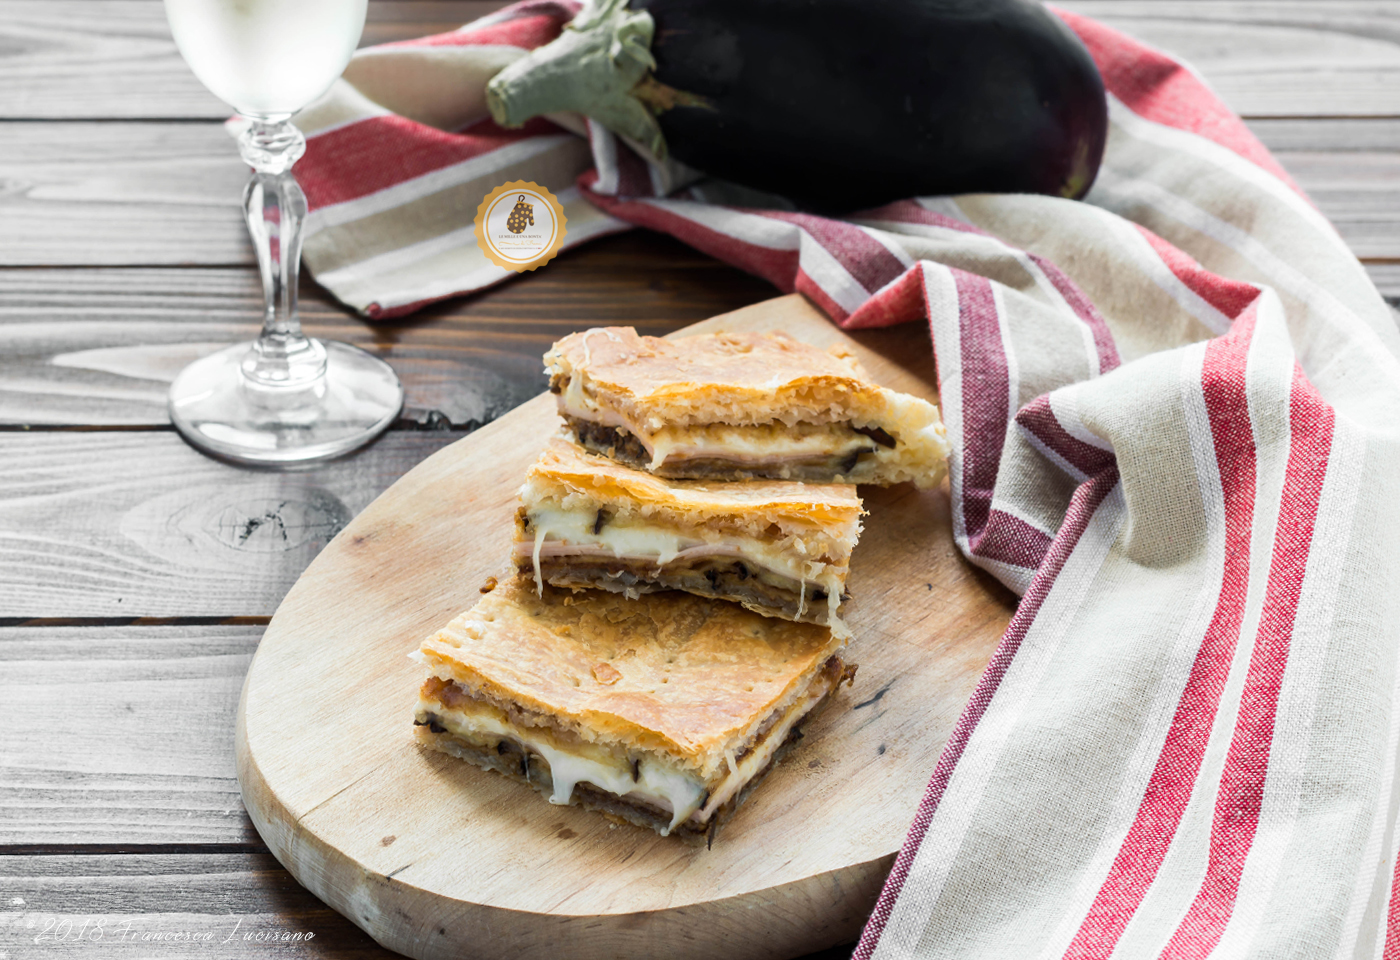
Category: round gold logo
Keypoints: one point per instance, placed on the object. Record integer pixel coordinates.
(520, 225)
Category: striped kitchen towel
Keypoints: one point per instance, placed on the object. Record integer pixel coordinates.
(1174, 409)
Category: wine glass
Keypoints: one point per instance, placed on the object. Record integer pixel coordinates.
(285, 398)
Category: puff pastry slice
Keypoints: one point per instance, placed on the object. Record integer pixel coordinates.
(733, 406)
(662, 711)
(780, 548)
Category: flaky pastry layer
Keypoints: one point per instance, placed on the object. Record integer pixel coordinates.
(684, 677)
(742, 405)
(641, 787)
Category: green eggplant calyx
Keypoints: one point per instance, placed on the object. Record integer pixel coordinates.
(592, 68)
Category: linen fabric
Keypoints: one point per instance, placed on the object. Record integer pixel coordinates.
(1174, 409)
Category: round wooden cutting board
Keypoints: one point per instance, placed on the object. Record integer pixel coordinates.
(436, 858)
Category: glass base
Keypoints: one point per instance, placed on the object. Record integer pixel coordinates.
(222, 412)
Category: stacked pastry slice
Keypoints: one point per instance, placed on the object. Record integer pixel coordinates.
(661, 712)
(733, 406)
(675, 613)
(779, 548)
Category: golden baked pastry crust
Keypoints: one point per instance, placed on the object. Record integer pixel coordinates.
(653, 402)
(741, 377)
(574, 470)
(696, 676)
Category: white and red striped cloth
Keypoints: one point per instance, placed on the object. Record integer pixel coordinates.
(1175, 411)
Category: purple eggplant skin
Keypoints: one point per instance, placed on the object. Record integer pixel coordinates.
(843, 105)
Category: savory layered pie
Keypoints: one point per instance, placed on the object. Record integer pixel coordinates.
(662, 711)
(780, 548)
(737, 406)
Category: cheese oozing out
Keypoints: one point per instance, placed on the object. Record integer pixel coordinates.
(576, 532)
(650, 779)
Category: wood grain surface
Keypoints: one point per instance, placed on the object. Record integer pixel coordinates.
(1280, 58)
(380, 829)
(155, 769)
(136, 524)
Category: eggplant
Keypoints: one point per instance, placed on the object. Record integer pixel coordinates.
(836, 104)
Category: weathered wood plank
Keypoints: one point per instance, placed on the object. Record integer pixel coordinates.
(150, 194)
(1386, 277)
(135, 524)
(118, 736)
(1358, 191)
(121, 193)
(102, 59)
(100, 346)
(1278, 58)
(1327, 134)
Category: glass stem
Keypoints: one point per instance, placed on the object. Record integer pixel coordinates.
(275, 207)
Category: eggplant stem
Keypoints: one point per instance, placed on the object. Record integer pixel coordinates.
(593, 68)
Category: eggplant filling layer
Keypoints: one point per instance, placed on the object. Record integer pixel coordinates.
(762, 591)
(855, 445)
(590, 546)
(640, 788)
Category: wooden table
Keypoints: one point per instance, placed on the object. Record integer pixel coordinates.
(136, 575)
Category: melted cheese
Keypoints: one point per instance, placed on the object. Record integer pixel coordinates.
(762, 443)
(622, 540)
(569, 766)
(560, 529)
(576, 403)
(662, 786)
(742, 771)
(658, 544)
(737, 443)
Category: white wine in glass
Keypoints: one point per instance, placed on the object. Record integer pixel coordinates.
(284, 398)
